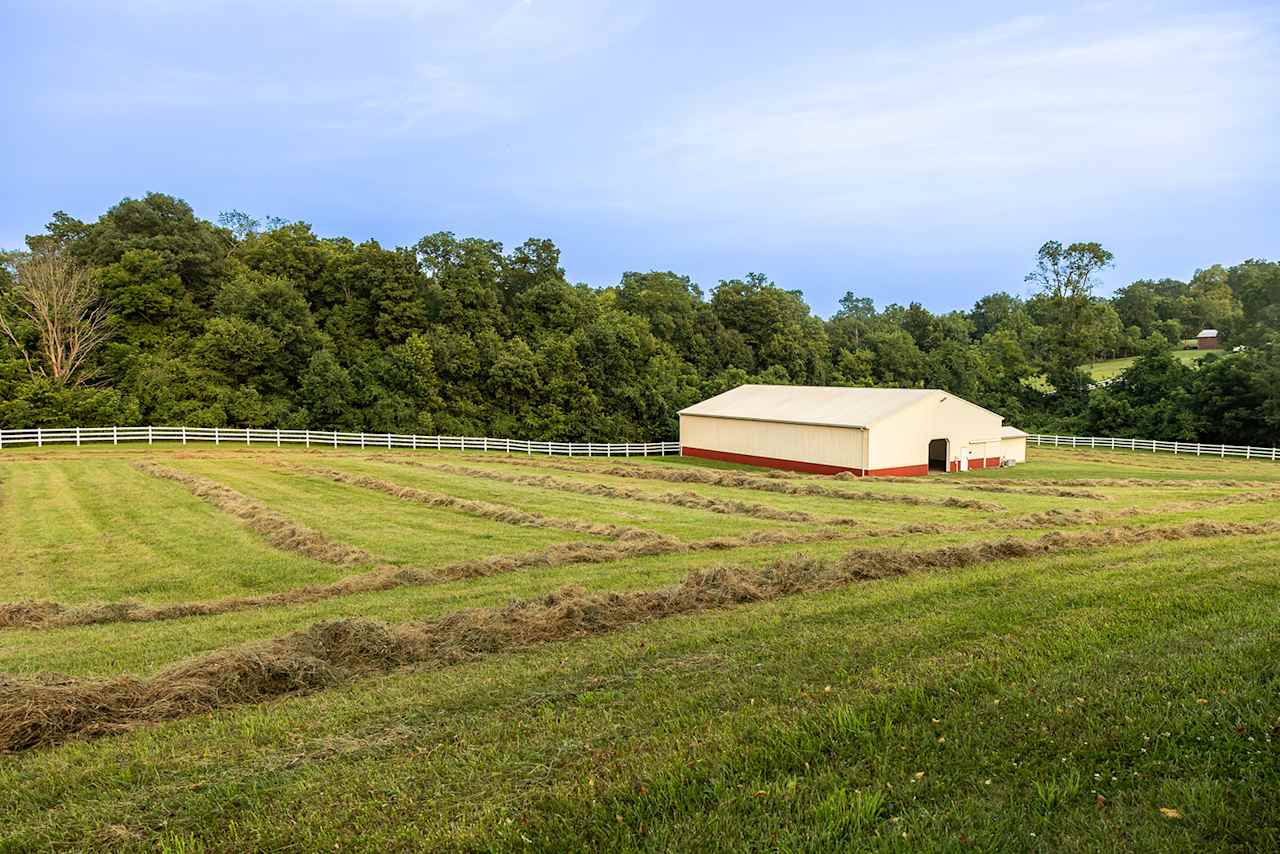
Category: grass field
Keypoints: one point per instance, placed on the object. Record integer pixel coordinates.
(1112, 368)
(240, 649)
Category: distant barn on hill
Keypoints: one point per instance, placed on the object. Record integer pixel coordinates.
(1207, 339)
(866, 431)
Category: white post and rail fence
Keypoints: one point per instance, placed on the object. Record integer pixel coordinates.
(1155, 446)
(332, 439)
(324, 439)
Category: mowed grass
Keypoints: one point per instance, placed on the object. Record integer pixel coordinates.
(1051, 704)
(988, 707)
(1111, 368)
(395, 530)
(1092, 463)
(681, 522)
(75, 531)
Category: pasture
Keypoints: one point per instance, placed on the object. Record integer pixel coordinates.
(243, 648)
(1109, 369)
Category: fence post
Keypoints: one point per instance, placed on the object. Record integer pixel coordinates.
(277, 437)
(217, 437)
(306, 436)
(39, 437)
(184, 435)
(151, 436)
(413, 441)
(335, 438)
(388, 441)
(248, 437)
(77, 437)
(115, 435)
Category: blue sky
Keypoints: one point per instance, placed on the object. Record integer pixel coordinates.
(902, 151)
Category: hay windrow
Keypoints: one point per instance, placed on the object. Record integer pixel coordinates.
(54, 615)
(1051, 491)
(278, 530)
(1028, 485)
(483, 509)
(741, 480)
(687, 499)
(32, 614)
(50, 709)
(1122, 482)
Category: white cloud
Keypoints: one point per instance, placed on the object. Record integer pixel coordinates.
(434, 67)
(1036, 112)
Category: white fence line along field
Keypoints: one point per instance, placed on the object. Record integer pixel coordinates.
(326, 438)
(1198, 449)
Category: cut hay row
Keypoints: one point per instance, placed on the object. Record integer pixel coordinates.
(1119, 482)
(33, 614)
(43, 614)
(1223, 501)
(473, 507)
(278, 530)
(740, 480)
(690, 500)
(1050, 487)
(49, 709)
(1032, 489)
(1156, 462)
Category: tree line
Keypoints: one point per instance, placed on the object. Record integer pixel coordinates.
(151, 314)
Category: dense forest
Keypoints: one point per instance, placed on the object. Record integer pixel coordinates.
(151, 315)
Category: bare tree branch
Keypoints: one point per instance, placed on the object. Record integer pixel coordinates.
(59, 301)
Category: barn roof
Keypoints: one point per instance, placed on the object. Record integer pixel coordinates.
(1008, 432)
(1207, 333)
(823, 406)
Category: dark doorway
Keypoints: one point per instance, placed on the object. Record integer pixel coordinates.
(938, 455)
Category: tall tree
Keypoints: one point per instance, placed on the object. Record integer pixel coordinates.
(53, 317)
(1065, 278)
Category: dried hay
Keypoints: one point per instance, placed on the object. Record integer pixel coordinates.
(276, 529)
(688, 499)
(483, 509)
(763, 482)
(53, 615)
(49, 709)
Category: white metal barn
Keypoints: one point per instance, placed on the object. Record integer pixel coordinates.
(866, 431)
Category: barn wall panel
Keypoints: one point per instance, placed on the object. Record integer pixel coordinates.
(841, 448)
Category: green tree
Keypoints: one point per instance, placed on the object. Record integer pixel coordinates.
(1065, 278)
(196, 249)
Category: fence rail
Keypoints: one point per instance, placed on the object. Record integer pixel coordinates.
(1197, 449)
(326, 438)
(329, 438)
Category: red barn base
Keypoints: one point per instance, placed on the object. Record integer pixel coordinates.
(821, 468)
(978, 463)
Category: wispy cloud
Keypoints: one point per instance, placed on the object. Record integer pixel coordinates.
(1032, 112)
(435, 67)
